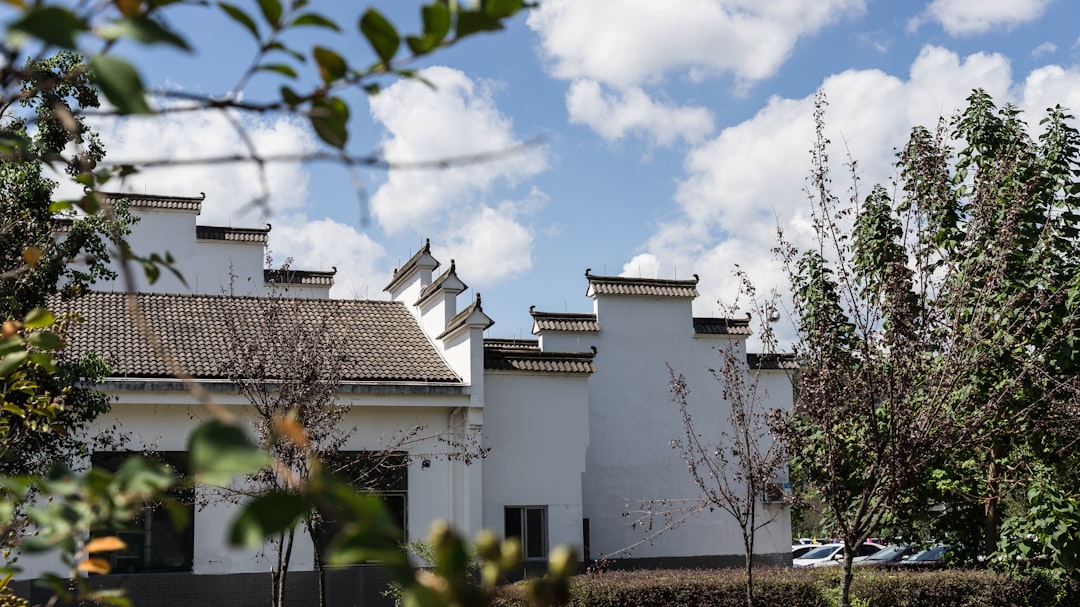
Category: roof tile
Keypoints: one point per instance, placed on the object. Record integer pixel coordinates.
(654, 287)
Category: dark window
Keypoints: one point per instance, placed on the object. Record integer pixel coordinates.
(154, 542)
(383, 473)
(529, 525)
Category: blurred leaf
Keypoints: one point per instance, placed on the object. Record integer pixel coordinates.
(472, 22)
(100, 566)
(436, 20)
(281, 68)
(315, 20)
(331, 65)
(240, 17)
(381, 34)
(144, 477)
(46, 340)
(271, 10)
(290, 97)
(10, 362)
(50, 24)
(146, 31)
(502, 8)
(31, 255)
(105, 544)
(265, 516)
(219, 451)
(329, 118)
(60, 205)
(120, 83)
(278, 46)
(38, 318)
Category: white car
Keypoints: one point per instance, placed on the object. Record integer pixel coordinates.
(829, 555)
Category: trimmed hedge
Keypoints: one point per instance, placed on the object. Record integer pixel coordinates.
(785, 587)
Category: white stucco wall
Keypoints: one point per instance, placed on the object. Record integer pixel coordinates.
(632, 421)
(160, 231)
(537, 428)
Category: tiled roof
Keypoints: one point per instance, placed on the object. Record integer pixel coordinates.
(433, 288)
(300, 277)
(518, 358)
(378, 340)
(508, 344)
(462, 317)
(772, 361)
(722, 326)
(655, 287)
(401, 273)
(564, 321)
(153, 201)
(256, 235)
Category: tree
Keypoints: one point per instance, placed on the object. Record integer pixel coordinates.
(936, 325)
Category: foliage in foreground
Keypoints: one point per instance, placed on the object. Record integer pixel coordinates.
(784, 587)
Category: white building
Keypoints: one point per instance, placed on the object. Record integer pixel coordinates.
(574, 424)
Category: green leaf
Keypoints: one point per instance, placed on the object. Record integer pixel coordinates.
(61, 205)
(472, 22)
(43, 360)
(271, 10)
(436, 21)
(219, 451)
(291, 97)
(281, 68)
(39, 318)
(331, 65)
(329, 118)
(240, 17)
(50, 24)
(502, 8)
(120, 84)
(143, 477)
(381, 34)
(11, 362)
(265, 516)
(314, 20)
(146, 31)
(45, 340)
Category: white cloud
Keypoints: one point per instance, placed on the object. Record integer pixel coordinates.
(751, 176)
(631, 111)
(456, 118)
(963, 17)
(628, 42)
(1045, 48)
(324, 244)
(229, 187)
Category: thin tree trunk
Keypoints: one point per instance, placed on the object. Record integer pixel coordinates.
(748, 548)
(846, 577)
(992, 515)
(315, 531)
(277, 578)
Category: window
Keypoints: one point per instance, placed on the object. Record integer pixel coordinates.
(154, 543)
(382, 473)
(529, 525)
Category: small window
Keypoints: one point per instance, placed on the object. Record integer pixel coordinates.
(154, 543)
(529, 525)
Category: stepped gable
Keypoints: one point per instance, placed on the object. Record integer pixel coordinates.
(564, 321)
(379, 341)
(722, 326)
(650, 287)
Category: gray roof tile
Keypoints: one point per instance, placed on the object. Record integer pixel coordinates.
(781, 360)
(153, 201)
(655, 287)
(564, 321)
(379, 340)
(516, 357)
(722, 326)
(300, 277)
(253, 235)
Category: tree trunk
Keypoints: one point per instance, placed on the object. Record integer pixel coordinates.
(278, 575)
(846, 577)
(992, 514)
(315, 531)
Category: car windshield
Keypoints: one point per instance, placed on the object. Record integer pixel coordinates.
(933, 554)
(819, 553)
(886, 554)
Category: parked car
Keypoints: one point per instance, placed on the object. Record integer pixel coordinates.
(927, 558)
(831, 554)
(797, 550)
(889, 555)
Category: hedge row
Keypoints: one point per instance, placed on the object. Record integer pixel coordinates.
(785, 587)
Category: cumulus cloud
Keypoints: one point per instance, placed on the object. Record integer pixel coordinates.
(739, 185)
(1045, 48)
(458, 117)
(632, 111)
(628, 42)
(963, 17)
(324, 244)
(230, 188)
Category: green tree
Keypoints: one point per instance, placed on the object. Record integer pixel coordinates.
(936, 327)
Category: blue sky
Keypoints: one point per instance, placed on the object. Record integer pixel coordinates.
(676, 134)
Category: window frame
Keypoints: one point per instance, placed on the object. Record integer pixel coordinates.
(519, 516)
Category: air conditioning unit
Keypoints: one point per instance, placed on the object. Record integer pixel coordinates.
(776, 493)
